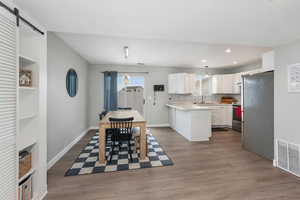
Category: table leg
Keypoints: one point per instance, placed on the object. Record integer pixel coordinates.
(102, 133)
(143, 142)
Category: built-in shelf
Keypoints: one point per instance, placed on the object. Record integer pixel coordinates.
(27, 116)
(27, 88)
(25, 61)
(27, 144)
(26, 175)
(31, 134)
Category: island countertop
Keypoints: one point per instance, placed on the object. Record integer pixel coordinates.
(193, 107)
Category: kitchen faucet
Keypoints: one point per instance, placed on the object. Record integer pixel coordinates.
(202, 99)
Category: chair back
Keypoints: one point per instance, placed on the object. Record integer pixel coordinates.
(102, 114)
(123, 124)
(124, 108)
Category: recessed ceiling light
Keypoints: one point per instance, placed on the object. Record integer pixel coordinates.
(204, 61)
(228, 50)
(140, 63)
(235, 62)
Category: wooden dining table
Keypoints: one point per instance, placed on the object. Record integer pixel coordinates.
(138, 121)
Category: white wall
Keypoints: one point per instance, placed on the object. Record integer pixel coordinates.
(287, 107)
(67, 117)
(155, 114)
(247, 67)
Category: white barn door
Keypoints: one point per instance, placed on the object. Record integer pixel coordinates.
(8, 106)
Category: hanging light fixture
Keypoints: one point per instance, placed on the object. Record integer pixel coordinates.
(126, 79)
(126, 52)
(206, 72)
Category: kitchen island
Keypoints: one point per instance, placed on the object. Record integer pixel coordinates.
(191, 121)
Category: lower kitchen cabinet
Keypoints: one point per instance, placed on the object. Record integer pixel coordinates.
(222, 116)
(193, 124)
(172, 118)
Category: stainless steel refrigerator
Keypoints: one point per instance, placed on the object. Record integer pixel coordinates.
(258, 114)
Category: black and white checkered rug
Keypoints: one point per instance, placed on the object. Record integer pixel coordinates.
(87, 161)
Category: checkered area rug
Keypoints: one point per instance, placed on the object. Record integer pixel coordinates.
(87, 161)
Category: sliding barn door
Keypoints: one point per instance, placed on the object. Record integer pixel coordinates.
(8, 107)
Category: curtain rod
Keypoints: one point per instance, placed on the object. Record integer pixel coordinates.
(15, 12)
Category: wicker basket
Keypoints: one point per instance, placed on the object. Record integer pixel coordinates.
(25, 164)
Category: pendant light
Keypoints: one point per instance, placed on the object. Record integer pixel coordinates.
(206, 72)
(126, 79)
(126, 52)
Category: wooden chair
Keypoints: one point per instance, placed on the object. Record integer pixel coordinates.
(122, 132)
(108, 131)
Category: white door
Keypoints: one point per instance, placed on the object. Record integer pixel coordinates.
(8, 107)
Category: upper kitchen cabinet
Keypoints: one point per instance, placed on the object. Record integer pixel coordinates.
(181, 83)
(237, 82)
(222, 84)
(268, 61)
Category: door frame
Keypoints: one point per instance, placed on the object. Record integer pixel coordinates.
(145, 75)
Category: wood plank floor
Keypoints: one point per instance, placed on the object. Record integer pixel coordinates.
(216, 170)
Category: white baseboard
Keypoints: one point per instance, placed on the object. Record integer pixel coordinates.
(43, 196)
(93, 127)
(274, 163)
(66, 149)
(157, 125)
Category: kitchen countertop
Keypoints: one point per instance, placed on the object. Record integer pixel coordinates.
(193, 107)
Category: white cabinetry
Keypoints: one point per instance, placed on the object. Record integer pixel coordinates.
(222, 84)
(181, 83)
(237, 82)
(222, 116)
(32, 132)
(194, 125)
(23, 109)
(172, 117)
(217, 84)
(171, 84)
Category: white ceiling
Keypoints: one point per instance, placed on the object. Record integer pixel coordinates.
(260, 23)
(109, 50)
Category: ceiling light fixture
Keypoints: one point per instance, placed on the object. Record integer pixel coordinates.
(235, 62)
(206, 72)
(228, 50)
(204, 61)
(126, 52)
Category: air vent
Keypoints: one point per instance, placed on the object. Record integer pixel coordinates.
(294, 159)
(282, 155)
(288, 157)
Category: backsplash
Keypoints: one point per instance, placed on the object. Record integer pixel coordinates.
(215, 98)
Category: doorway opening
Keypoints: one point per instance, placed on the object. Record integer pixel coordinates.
(131, 91)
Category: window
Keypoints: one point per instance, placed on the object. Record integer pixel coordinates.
(72, 82)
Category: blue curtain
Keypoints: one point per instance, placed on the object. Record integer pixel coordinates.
(110, 91)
